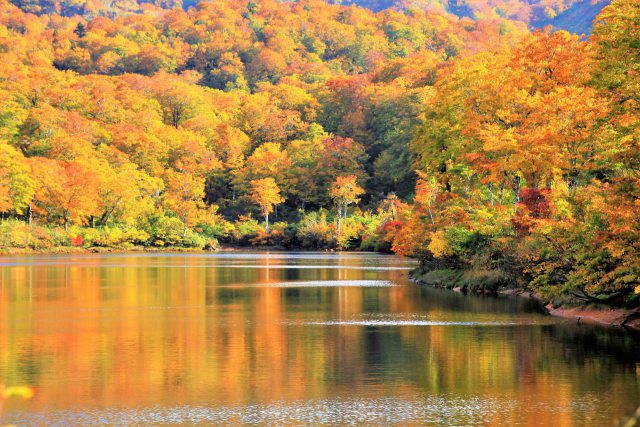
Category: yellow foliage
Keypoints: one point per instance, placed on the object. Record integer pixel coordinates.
(266, 194)
(17, 391)
(438, 245)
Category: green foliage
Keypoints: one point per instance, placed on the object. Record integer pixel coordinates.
(221, 229)
(165, 231)
(112, 237)
(194, 240)
(483, 281)
(245, 229)
(314, 231)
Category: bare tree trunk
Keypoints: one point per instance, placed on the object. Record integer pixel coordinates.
(490, 188)
(516, 190)
(339, 216)
(431, 216)
(266, 219)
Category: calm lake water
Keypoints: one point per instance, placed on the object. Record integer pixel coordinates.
(292, 339)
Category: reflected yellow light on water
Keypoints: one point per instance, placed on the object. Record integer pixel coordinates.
(145, 331)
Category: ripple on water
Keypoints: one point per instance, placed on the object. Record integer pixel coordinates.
(209, 266)
(403, 323)
(409, 319)
(317, 266)
(431, 410)
(156, 259)
(322, 284)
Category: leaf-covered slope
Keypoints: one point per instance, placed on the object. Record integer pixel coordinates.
(575, 16)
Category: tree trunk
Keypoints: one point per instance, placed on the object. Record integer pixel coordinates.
(103, 218)
(266, 220)
(516, 190)
(339, 216)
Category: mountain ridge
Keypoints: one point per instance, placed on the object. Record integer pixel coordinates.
(570, 15)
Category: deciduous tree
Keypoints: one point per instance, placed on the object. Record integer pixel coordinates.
(266, 194)
(345, 191)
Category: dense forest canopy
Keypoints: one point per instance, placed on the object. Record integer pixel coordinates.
(573, 15)
(467, 140)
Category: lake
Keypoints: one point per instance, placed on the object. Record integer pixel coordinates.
(292, 339)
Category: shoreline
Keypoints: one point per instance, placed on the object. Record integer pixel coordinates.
(594, 314)
(65, 250)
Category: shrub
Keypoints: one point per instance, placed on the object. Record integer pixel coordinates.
(166, 231)
(17, 234)
(193, 240)
(219, 230)
(115, 237)
(246, 229)
(20, 237)
(281, 234)
(315, 232)
(59, 236)
(476, 281)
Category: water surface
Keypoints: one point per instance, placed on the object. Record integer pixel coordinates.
(292, 339)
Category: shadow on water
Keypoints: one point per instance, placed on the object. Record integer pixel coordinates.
(584, 342)
(460, 302)
(580, 342)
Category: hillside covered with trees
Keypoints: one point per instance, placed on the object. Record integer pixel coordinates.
(571, 15)
(470, 142)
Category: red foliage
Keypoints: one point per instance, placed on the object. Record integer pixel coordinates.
(533, 205)
(76, 241)
(536, 202)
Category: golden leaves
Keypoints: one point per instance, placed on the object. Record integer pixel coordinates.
(265, 193)
(345, 189)
(24, 392)
(438, 245)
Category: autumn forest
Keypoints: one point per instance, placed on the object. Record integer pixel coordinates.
(478, 144)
